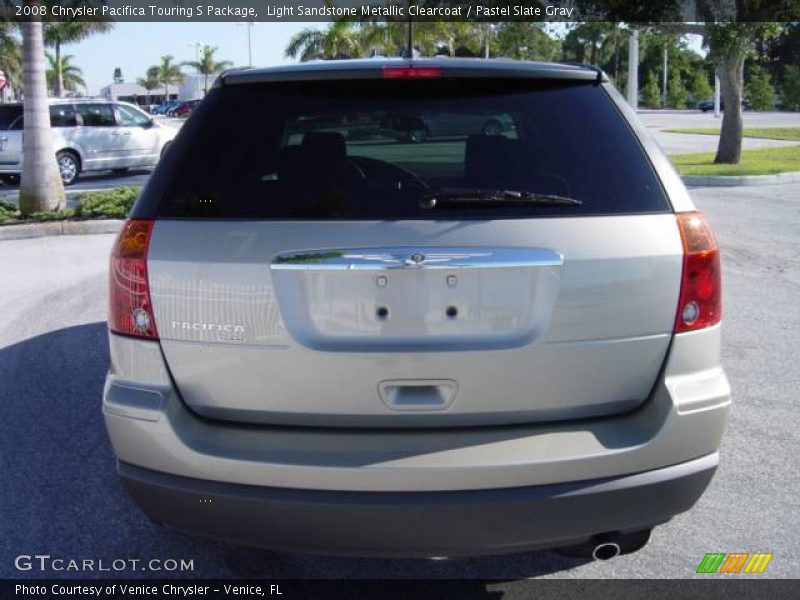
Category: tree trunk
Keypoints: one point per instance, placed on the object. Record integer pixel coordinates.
(40, 186)
(731, 78)
(58, 80)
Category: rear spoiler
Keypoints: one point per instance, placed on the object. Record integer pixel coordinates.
(373, 69)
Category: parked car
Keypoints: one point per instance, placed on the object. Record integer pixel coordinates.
(707, 105)
(162, 108)
(89, 135)
(185, 108)
(473, 346)
(416, 128)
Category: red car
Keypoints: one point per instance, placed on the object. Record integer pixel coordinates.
(185, 109)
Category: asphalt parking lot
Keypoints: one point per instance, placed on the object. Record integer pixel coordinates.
(60, 496)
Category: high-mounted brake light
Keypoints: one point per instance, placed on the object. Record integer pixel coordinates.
(700, 303)
(411, 72)
(130, 311)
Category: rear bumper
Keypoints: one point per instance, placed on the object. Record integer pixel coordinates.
(418, 523)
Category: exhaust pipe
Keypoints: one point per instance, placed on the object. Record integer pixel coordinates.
(605, 551)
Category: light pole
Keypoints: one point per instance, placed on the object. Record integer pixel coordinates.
(664, 102)
(249, 25)
(633, 69)
(196, 46)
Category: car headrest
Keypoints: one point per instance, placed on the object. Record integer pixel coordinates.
(328, 145)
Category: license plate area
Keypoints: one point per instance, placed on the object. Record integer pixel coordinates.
(391, 299)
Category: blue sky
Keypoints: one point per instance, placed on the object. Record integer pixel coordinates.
(135, 46)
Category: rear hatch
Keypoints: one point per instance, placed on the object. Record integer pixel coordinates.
(311, 266)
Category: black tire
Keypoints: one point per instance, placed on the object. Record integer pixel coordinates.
(164, 150)
(417, 135)
(10, 179)
(69, 166)
(492, 127)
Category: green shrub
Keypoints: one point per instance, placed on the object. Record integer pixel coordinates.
(8, 211)
(699, 88)
(790, 88)
(53, 215)
(114, 203)
(759, 90)
(676, 92)
(650, 94)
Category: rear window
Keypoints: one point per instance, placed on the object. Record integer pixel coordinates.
(372, 149)
(8, 116)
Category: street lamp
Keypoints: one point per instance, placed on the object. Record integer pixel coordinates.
(197, 46)
(249, 25)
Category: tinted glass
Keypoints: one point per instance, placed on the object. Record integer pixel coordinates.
(371, 149)
(96, 115)
(62, 115)
(8, 115)
(130, 117)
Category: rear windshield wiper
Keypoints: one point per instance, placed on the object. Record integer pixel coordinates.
(487, 197)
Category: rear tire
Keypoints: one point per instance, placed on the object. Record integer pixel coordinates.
(10, 179)
(417, 135)
(492, 127)
(69, 166)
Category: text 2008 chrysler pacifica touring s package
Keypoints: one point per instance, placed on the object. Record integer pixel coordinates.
(335, 329)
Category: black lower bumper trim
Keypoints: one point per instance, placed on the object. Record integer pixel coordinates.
(418, 524)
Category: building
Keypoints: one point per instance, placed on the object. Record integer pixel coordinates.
(191, 88)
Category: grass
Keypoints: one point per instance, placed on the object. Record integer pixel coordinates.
(108, 204)
(764, 161)
(791, 134)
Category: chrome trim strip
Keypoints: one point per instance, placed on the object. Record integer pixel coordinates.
(426, 257)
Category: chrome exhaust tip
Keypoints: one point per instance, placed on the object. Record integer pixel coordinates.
(605, 551)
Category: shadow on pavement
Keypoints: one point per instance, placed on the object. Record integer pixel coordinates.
(59, 492)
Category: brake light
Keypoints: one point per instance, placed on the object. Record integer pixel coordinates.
(130, 310)
(700, 302)
(411, 72)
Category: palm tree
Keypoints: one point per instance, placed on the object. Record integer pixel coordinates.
(11, 61)
(57, 34)
(341, 39)
(150, 81)
(207, 65)
(71, 76)
(169, 72)
(40, 186)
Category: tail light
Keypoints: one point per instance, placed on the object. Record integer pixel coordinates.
(700, 302)
(130, 310)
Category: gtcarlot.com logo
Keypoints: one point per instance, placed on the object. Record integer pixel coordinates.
(735, 562)
(45, 562)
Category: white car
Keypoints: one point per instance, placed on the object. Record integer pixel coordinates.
(88, 135)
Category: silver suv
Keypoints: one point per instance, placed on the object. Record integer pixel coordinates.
(326, 341)
(88, 135)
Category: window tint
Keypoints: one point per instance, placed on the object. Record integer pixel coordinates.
(130, 117)
(372, 149)
(8, 116)
(62, 115)
(96, 115)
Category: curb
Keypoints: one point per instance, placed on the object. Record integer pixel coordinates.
(738, 180)
(35, 230)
